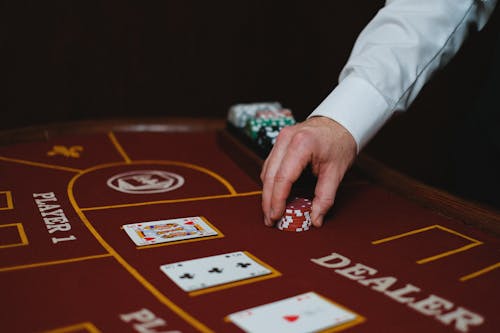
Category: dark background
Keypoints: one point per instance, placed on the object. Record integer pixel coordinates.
(72, 60)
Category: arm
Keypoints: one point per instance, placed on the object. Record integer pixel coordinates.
(393, 57)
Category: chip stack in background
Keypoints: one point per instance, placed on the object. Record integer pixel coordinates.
(260, 122)
(239, 114)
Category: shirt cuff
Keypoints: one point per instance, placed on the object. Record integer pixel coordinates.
(358, 107)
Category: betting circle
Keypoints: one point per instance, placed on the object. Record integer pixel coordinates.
(145, 182)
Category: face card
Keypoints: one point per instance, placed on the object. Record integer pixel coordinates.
(154, 232)
(212, 271)
(307, 312)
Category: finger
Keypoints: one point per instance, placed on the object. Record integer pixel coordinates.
(324, 194)
(265, 166)
(277, 153)
(268, 174)
(266, 202)
(292, 165)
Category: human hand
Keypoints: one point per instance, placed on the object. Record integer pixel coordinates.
(320, 141)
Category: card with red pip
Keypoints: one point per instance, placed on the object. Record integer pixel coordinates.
(163, 231)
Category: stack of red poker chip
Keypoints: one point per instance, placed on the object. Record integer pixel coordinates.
(297, 215)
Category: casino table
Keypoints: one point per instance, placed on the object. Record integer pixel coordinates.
(401, 256)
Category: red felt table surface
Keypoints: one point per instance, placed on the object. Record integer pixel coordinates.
(93, 273)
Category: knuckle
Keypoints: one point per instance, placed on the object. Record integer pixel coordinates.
(303, 138)
(283, 135)
(324, 199)
(327, 200)
(287, 131)
(268, 178)
(282, 178)
(300, 136)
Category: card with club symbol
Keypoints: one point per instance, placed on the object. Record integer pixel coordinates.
(201, 273)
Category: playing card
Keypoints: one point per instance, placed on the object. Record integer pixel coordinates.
(154, 232)
(303, 313)
(215, 270)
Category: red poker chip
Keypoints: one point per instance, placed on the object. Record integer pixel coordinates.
(285, 225)
(298, 207)
(296, 222)
(297, 210)
(295, 218)
(306, 215)
(297, 215)
(299, 201)
(298, 229)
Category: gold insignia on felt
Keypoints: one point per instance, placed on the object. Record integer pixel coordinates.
(73, 151)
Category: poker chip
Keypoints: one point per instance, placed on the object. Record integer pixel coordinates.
(239, 114)
(297, 216)
(266, 137)
(261, 122)
(256, 126)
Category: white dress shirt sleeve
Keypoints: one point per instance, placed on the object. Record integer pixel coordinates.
(394, 56)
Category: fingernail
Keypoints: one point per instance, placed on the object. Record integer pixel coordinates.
(272, 212)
